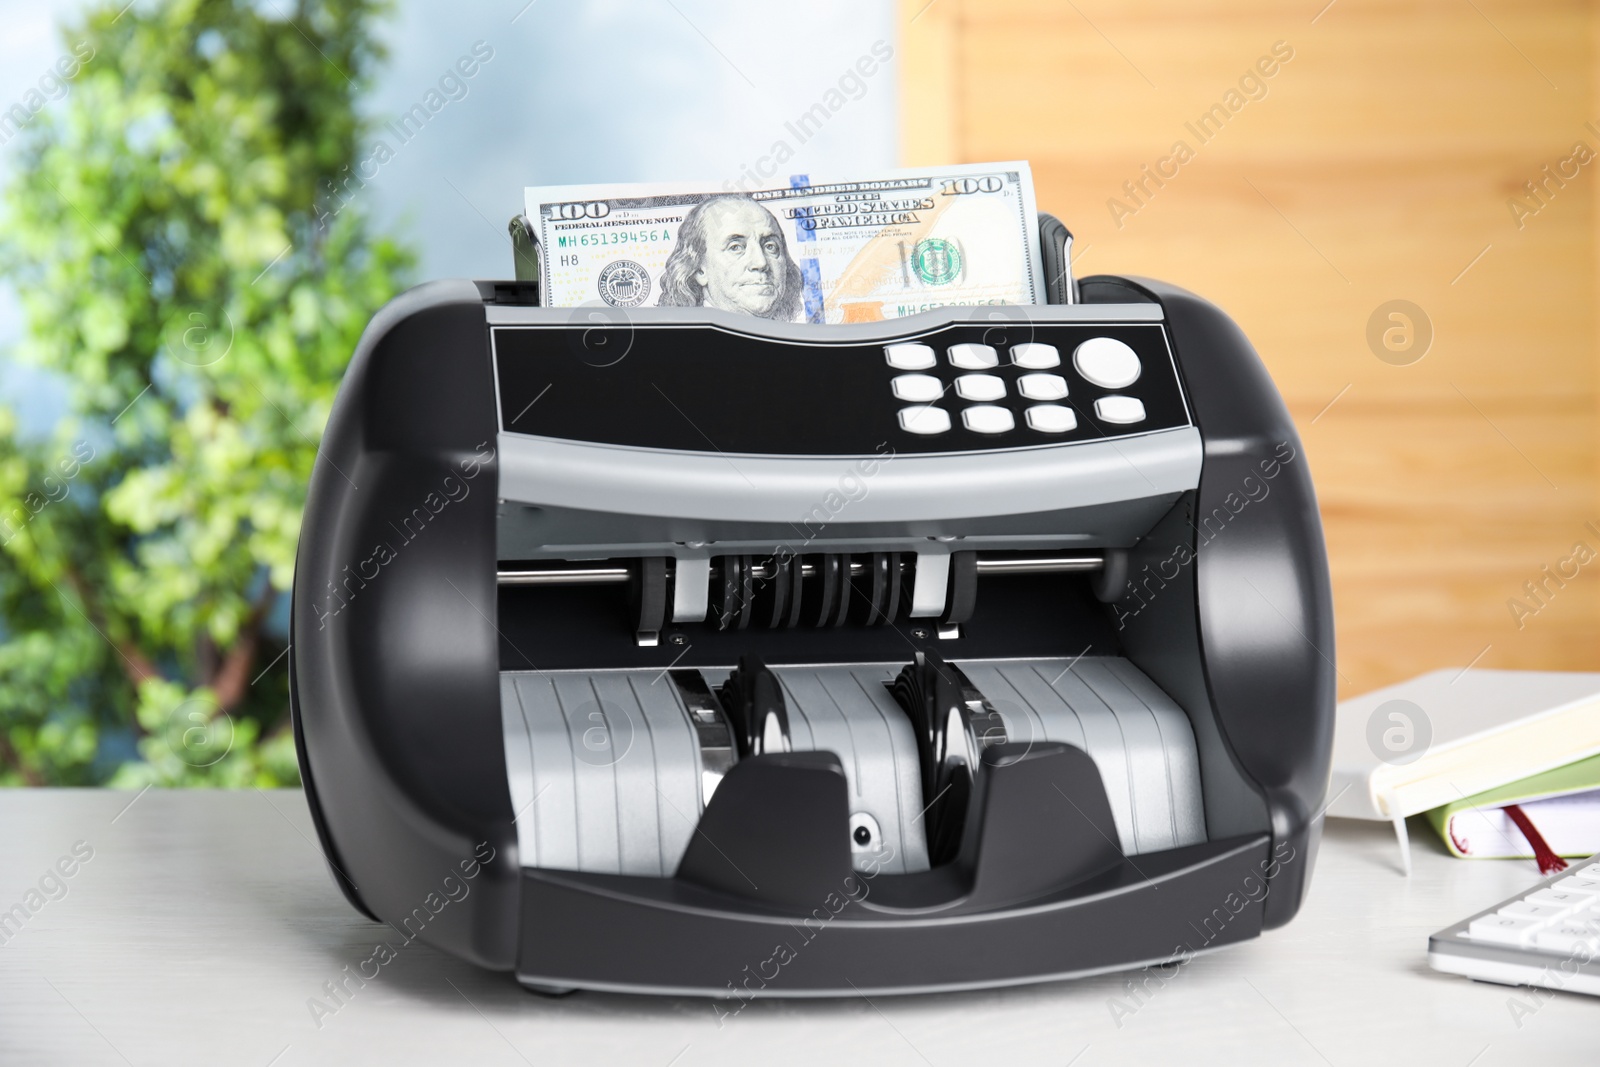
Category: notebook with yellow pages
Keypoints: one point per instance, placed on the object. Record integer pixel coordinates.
(1447, 735)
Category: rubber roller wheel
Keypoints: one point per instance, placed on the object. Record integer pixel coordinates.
(648, 594)
(746, 592)
(891, 599)
(753, 699)
(930, 691)
(796, 579)
(777, 593)
(723, 592)
(963, 587)
(734, 593)
(908, 584)
(827, 588)
(842, 610)
(875, 585)
(796, 589)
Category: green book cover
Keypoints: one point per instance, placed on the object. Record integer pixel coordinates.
(1573, 778)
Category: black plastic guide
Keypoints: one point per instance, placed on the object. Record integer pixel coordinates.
(953, 726)
(650, 595)
(963, 587)
(753, 698)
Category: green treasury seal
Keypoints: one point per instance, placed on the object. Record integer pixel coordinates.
(936, 261)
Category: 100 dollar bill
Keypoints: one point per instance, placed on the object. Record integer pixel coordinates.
(838, 251)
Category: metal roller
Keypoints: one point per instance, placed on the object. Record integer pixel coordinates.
(822, 590)
(618, 572)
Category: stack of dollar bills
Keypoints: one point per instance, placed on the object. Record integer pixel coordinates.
(809, 250)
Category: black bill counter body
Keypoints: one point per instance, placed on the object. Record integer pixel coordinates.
(676, 651)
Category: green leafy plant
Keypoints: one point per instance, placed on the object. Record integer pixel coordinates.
(178, 265)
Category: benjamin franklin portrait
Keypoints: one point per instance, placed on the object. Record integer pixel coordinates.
(730, 254)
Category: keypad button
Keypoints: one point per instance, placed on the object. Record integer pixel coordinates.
(925, 419)
(1107, 362)
(1527, 910)
(917, 387)
(1557, 898)
(980, 387)
(1503, 929)
(973, 357)
(1032, 355)
(988, 418)
(1119, 409)
(1042, 386)
(1579, 883)
(1052, 418)
(1567, 937)
(909, 356)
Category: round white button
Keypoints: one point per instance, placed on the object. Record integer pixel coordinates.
(973, 357)
(1107, 362)
(924, 420)
(909, 356)
(1042, 386)
(980, 387)
(1052, 418)
(987, 418)
(917, 387)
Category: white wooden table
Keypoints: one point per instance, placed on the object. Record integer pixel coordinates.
(205, 922)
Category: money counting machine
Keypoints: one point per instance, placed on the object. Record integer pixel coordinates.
(685, 652)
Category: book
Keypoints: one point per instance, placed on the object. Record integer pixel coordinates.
(1450, 734)
(1562, 806)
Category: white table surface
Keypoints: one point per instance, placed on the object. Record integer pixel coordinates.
(206, 921)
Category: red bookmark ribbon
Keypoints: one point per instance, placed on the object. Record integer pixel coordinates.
(1549, 862)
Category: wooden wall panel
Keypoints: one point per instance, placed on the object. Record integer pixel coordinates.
(1377, 166)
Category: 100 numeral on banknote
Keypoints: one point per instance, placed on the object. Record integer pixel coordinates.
(847, 251)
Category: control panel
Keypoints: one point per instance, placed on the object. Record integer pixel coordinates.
(960, 387)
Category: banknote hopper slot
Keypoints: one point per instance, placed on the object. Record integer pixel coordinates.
(818, 590)
(1055, 253)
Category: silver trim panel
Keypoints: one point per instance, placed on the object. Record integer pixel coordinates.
(903, 489)
(1138, 737)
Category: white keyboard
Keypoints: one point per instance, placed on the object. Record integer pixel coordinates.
(1547, 936)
